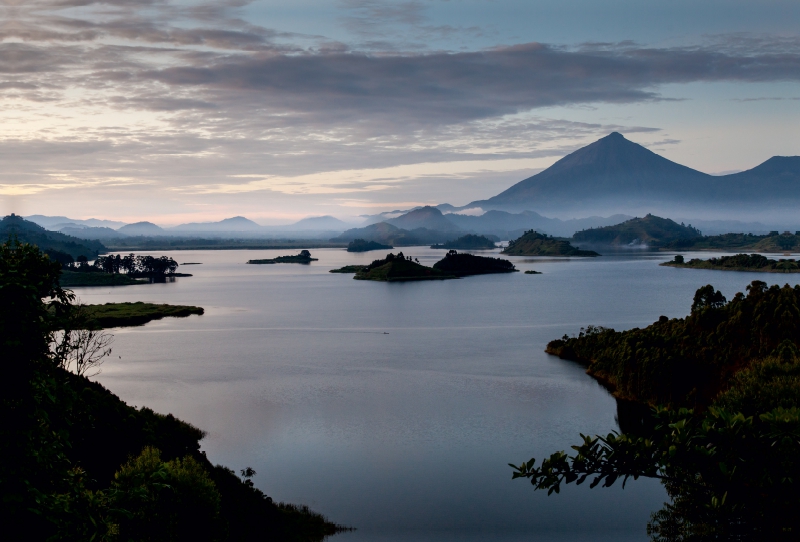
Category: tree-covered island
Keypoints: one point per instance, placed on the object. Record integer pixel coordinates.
(79, 464)
(463, 265)
(532, 243)
(719, 422)
(362, 245)
(116, 270)
(468, 242)
(739, 262)
(304, 258)
(399, 268)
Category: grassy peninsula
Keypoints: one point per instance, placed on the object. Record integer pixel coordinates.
(462, 265)
(134, 314)
(468, 242)
(399, 268)
(74, 279)
(739, 262)
(532, 243)
(304, 258)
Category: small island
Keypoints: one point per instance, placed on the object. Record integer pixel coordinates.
(399, 268)
(463, 265)
(468, 242)
(134, 314)
(348, 269)
(304, 257)
(532, 272)
(362, 245)
(532, 243)
(739, 262)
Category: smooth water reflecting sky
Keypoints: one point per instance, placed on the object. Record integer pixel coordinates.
(395, 408)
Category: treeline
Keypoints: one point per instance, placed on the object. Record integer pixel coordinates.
(687, 361)
(80, 464)
(133, 265)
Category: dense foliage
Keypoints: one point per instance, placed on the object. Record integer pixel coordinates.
(64, 441)
(730, 465)
(462, 265)
(532, 243)
(687, 361)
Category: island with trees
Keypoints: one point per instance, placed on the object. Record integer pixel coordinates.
(740, 262)
(718, 422)
(648, 232)
(116, 270)
(304, 258)
(362, 245)
(81, 464)
(468, 242)
(463, 265)
(399, 268)
(532, 243)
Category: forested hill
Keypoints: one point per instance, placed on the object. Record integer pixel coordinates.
(688, 361)
(650, 230)
(30, 232)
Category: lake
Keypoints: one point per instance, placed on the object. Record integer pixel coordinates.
(395, 408)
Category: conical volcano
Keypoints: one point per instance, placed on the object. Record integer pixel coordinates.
(609, 168)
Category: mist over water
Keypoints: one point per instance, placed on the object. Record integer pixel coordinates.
(395, 408)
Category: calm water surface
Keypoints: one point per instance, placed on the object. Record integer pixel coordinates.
(395, 408)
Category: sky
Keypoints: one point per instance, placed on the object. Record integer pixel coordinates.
(183, 111)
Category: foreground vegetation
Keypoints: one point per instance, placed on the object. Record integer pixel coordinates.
(80, 464)
(532, 243)
(740, 262)
(723, 430)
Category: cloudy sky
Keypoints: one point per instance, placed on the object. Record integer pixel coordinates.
(177, 111)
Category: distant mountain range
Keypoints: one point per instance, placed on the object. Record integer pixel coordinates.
(617, 175)
(30, 232)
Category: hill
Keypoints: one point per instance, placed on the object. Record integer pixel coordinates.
(53, 222)
(468, 242)
(142, 228)
(319, 223)
(237, 223)
(387, 234)
(90, 232)
(614, 174)
(650, 231)
(427, 217)
(34, 234)
(739, 262)
(537, 244)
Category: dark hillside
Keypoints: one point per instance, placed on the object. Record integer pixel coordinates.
(650, 230)
(32, 233)
(537, 244)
